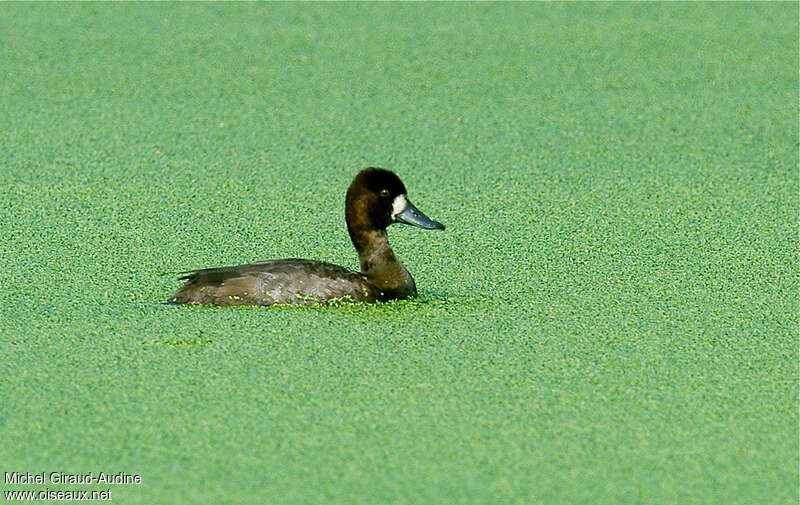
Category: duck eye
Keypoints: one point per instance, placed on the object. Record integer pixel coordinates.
(384, 193)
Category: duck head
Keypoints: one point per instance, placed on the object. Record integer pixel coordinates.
(377, 198)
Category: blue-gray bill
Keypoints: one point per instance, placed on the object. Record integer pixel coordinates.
(413, 216)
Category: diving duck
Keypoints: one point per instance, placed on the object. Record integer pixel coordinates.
(375, 199)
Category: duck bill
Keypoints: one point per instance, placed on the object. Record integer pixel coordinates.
(413, 216)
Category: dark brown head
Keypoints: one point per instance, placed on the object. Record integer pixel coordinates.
(377, 198)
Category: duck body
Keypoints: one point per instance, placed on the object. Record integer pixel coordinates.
(288, 281)
(376, 198)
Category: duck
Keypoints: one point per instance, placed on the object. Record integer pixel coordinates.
(376, 199)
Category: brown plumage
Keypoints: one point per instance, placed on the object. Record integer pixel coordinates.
(375, 199)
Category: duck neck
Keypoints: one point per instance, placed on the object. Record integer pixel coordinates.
(379, 263)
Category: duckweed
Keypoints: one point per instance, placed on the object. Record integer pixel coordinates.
(610, 316)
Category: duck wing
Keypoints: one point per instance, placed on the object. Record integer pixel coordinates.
(289, 281)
